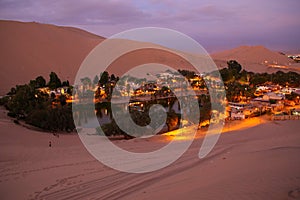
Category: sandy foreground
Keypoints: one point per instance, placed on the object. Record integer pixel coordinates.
(261, 162)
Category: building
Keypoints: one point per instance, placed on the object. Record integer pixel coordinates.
(273, 96)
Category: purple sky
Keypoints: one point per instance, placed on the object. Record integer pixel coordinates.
(216, 25)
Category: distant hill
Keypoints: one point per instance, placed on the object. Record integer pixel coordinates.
(32, 49)
(292, 52)
(256, 59)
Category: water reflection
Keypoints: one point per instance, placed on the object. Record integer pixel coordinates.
(85, 115)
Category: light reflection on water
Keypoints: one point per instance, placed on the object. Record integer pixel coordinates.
(87, 120)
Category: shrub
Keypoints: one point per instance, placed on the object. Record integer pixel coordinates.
(53, 119)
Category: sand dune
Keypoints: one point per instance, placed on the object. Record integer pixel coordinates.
(255, 58)
(256, 163)
(32, 49)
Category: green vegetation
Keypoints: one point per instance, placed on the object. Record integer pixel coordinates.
(45, 105)
(54, 81)
(54, 119)
(242, 84)
(35, 104)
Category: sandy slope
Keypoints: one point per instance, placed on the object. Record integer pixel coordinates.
(256, 54)
(256, 163)
(255, 58)
(32, 49)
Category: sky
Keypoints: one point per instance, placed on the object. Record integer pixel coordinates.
(215, 24)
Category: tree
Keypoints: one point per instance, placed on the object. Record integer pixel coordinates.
(32, 84)
(258, 79)
(226, 74)
(112, 77)
(40, 82)
(66, 83)
(234, 66)
(70, 90)
(24, 100)
(53, 119)
(12, 91)
(104, 78)
(54, 81)
(96, 80)
(187, 74)
(86, 81)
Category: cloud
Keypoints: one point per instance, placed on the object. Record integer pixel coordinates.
(248, 21)
(75, 12)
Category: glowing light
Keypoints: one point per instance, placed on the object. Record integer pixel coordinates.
(185, 133)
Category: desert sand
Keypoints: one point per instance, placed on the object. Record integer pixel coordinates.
(256, 59)
(257, 162)
(32, 49)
